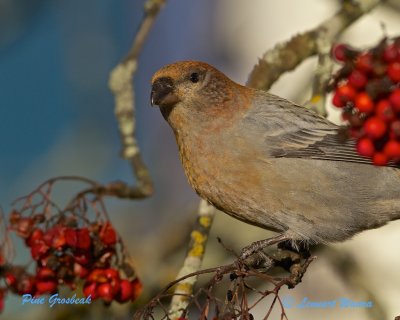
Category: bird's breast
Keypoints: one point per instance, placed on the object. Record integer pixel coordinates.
(219, 168)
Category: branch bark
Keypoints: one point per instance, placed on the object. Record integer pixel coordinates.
(121, 85)
(193, 260)
(288, 55)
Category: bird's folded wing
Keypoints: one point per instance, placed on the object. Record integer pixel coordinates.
(291, 131)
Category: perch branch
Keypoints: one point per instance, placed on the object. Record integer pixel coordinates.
(238, 273)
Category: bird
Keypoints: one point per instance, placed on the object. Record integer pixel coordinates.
(269, 162)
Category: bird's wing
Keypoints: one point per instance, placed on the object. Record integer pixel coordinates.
(291, 131)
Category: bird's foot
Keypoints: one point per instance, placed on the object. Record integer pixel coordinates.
(261, 244)
(259, 260)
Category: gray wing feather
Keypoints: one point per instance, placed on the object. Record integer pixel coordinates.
(292, 131)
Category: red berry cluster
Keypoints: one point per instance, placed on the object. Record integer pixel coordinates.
(65, 252)
(106, 284)
(367, 89)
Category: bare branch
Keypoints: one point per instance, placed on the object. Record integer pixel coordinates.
(193, 260)
(121, 85)
(287, 56)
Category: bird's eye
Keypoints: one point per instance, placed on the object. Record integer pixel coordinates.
(194, 77)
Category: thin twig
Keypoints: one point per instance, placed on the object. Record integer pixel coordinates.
(241, 271)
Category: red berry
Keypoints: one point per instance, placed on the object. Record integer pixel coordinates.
(364, 103)
(116, 285)
(107, 234)
(337, 100)
(97, 275)
(39, 249)
(46, 286)
(357, 79)
(390, 53)
(394, 99)
(375, 127)
(384, 110)
(346, 93)
(36, 235)
(393, 71)
(339, 52)
(125, 292)
(113, 279)
(84, 240)
(111, 274)
(45, 273)
(71, 237)
(10, 279)
(392, 149)
(137, 288)
(380, 159)
(364, 62)
(105, 291)
(55, 237)
(90, 289)
(365, 147)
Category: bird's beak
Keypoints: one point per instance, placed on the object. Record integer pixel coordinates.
(162, 92)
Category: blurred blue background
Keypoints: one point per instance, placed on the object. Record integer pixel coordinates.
(55, 58)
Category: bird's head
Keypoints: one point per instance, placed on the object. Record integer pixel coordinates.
(192, 89)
